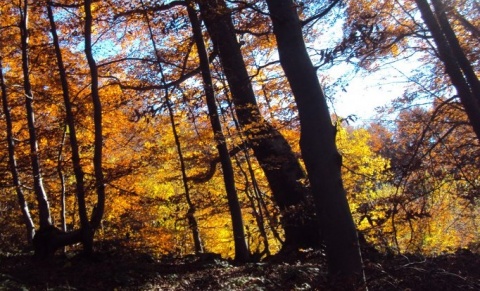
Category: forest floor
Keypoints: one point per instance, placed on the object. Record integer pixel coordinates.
(124, 269)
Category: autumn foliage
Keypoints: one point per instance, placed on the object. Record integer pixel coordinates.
(412, 181)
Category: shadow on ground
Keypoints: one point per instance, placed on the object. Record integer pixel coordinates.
(120, 268)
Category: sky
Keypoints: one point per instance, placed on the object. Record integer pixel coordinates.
(365, 91)
(362, 92)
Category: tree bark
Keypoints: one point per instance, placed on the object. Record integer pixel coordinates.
(322, 160)
(12, 161)
(455, 61)
(458, 53)
(97, 213)
(69, 117)
(272, 151)
(241, 251)
(43, 205)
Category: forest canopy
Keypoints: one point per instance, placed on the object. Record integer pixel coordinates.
(181, 127)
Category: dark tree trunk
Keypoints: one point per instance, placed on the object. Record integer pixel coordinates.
(49, 239)
(43, 206)
(458, 53)
(272, 151)
(241, 251)
(27, 218)
(192, 221)
(319, 151)
(70, 126)
(97, 213)
(456, 64)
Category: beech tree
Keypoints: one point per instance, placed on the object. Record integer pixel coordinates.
(317, 142)
(89, 226)
(457, 65)
(42, 200)
(273, 152)
(241, 250)
(141, 133)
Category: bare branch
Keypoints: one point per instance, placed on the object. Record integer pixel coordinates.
(151, 9)
(321, 14)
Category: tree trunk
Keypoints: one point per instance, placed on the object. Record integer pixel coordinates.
(27, 218)
(49, 239)
(192, 221)
(458, 53)
(70, 127)
(97, 213)
(241, 251)
(322, 160)
(454, 59)
(43, 206)
(272, 151)
(61, 176)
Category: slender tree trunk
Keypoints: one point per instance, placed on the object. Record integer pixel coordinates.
(12, 161)
(475, 31)
(317, 142)
(256, 211)
(273, 152)
(97, 213)
(241, 251)
(458, 53)
(43, 205)
(77, 168)
(192, 221)
(61, 176)
(456, 64)
(256, 188)
(252, 186)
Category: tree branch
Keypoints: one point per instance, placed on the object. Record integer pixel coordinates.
(162, 7)
(212, 166)
(321, 14)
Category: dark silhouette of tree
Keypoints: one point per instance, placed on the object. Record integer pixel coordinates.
(274, 154)
(43, 204)
(457, 65)
(319, 151)
(241, 250)
(89, 227)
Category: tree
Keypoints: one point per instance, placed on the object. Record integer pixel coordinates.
(241, 250)
(43, 205)
(69, 116)
(89, 227)
(13, 161)
(274, 154)
(457, 65)
(429, 201)
(322, 160)
(192, 221)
